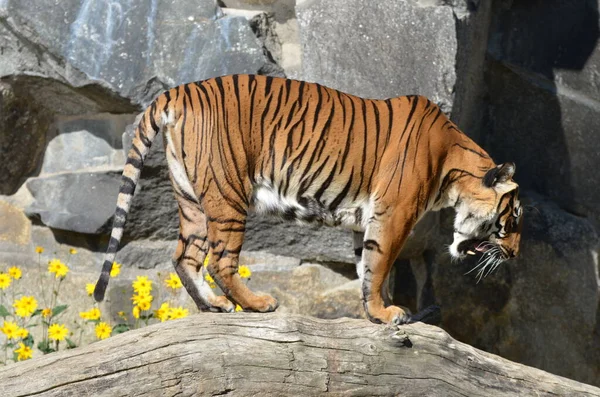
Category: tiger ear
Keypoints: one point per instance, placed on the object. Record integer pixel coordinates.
(500, 174)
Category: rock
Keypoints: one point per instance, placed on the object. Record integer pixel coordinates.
(540, 309)
(282, 10)
(80, 202)
(364, 49)
(129, 47)
(23, 126)
(554, 75)
(86, 143)
(281, 40)
(310, 289)
(15, 234)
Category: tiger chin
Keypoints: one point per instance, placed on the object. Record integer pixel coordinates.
(313, 154)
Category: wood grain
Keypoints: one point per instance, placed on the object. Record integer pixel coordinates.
(245, 354)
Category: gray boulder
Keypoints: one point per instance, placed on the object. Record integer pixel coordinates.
(129, 47)
(554, 75)
(79, 202)
(365, 48)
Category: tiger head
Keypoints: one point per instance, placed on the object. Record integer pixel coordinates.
(488, 219)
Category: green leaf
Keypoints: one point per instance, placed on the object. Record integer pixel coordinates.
(4, 312)
(44, 347)
(35, 313)
(59, 309)
(28, 341)
(120, 328)
(70, 344)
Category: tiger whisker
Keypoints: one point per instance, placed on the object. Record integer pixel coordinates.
(484, 271)
(483, 261)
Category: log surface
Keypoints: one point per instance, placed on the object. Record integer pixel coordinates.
(276, 354)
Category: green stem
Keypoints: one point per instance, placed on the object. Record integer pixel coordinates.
(41, 279)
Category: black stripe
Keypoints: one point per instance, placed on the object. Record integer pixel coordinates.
(168, 96)
(145, 141)
(343, 193)
(137, 163)
(113, 245)
(325, 184)
(137, 151)
(127, 185)
(152, 121)
(349, 137)
(372, 245)
(120, 215)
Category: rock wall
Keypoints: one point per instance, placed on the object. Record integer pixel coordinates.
(74, 78)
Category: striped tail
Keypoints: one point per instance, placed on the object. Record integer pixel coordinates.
(147, 129)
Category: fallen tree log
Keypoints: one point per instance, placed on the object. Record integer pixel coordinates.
(276, 354)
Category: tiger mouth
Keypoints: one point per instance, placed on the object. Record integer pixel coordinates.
(474, 247)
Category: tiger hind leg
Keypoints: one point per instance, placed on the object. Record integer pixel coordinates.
(189, 257)
(225, 238)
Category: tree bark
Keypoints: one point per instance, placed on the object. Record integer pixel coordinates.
(277, 354)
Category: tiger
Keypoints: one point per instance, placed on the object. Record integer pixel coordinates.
(305, 152)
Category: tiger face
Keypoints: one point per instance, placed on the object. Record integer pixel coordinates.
(488, 219)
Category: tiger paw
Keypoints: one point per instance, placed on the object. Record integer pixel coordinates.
(222, 304)
(388, 315)
(261, 303)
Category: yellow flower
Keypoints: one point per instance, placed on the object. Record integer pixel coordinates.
(39, 249)
(10, 329)
(210, 280)
(162, 313)
(145, 305)
(23, 352)
(142, 285)
(142, 299)
(57, 267)
(22, 333)
(57, 332)
(4, 281)
(89, 288)
(103, 331)
(14, 272)
(47, 312)
(116, 269)
(177, 312)
(122, 315)
(25, 306)
(136, 312)
(92, 314)
(238, 308)
(244, 271)
(173, 281)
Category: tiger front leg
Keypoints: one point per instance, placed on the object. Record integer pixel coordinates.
(382, 244)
